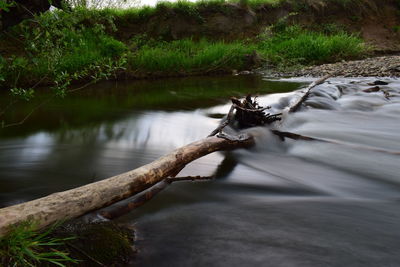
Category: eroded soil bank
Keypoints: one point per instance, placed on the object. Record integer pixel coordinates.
(377, 21)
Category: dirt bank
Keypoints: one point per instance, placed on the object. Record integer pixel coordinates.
(378, 21)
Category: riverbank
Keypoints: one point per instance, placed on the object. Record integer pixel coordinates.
(179, 39)
(383, 66)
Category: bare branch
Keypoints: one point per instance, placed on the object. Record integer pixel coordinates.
(297, 105)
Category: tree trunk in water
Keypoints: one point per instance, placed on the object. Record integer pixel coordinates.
(76, 202)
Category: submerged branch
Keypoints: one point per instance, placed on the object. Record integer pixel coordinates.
(125, 207)
(27, 116)
(294, 136)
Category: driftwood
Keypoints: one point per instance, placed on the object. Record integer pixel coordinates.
(76, 202)
(245, 114)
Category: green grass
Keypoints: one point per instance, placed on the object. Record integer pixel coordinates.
(24, 246)
(182, 7)
(299, 46)
(195, 9)
(293, 45)
(187, 56)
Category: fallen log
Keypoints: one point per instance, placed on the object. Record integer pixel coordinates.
(79, 201)
(125, 206)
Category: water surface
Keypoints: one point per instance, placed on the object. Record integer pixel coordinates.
(291, 203)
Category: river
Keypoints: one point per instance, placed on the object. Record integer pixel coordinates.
(291, 203)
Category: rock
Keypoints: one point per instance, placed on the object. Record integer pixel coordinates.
(245, 72)
(372, 89)
(377, 82)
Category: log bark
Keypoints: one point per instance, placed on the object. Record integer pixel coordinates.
(76, 202)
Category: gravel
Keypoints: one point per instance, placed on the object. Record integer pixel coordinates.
(385, 66)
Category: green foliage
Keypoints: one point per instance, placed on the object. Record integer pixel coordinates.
(24, 246)
(25, 94)
(3, 67)
(61, 48)
(185, 56)
(130, 14)
(182, 7)
(257, 3)
(283, 23)
(5, 5)
(331, 28)
(296, 45)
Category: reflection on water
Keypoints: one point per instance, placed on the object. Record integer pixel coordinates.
(292, 203)
(111, 101)
(108, 129)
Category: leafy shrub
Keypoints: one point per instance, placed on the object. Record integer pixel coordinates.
(64, 46)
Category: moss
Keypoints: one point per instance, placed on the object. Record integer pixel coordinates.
(102, 242)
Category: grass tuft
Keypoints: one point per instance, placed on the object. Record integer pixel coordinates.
(24, 246)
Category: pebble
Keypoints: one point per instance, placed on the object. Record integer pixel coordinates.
(384, 66)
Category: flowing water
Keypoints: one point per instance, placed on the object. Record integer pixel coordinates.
(333, 202)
